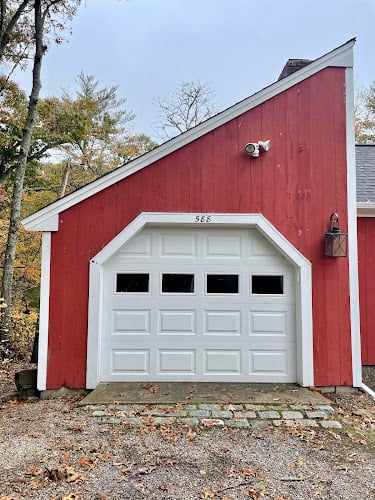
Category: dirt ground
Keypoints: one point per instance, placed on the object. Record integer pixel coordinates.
(53, 449)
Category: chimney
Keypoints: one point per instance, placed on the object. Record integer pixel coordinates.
(292, 66)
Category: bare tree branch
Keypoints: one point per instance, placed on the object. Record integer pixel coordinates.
(190, 104)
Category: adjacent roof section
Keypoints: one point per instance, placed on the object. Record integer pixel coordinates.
(365, 166)
(46, 219)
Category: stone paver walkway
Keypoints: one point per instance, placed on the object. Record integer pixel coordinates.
(217, 415)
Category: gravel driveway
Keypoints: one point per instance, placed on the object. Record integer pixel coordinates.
(53, 449)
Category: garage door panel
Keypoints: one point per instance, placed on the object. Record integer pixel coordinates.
(268, 323)
(177, 322)
(173, 361)
(223, 247)
(180, 245)
(260, 248)
(222, 322)
(139, 246)
(131, 322)
(271, 364)
(130, 361)
(222, 362)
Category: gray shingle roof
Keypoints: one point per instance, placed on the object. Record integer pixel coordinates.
(365, 165)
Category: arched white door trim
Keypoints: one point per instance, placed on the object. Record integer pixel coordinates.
(304, 332)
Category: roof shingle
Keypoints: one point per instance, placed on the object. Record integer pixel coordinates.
(365, 166)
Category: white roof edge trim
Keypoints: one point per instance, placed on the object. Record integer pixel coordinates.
(365, 209)
(340, 57)
(42, 223)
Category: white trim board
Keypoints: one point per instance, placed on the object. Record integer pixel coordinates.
(352, 231)
(47, 218)
(44, 312)
(304, 329)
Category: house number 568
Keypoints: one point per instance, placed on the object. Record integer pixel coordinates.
(203, 218)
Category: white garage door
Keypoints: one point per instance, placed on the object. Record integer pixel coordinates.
(200, 304)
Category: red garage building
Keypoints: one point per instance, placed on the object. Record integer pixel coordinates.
(365, 163)
(204, 260)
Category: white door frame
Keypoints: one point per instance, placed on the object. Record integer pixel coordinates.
(304, 331)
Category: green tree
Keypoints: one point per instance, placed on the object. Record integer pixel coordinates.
(16, 37)
(91, 121)
(365, 115)
(34, 21)
(92, 127)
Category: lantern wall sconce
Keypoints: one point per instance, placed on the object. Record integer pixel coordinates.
(336, 243)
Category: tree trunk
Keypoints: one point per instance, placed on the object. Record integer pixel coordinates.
(65, 180)
(15, 214)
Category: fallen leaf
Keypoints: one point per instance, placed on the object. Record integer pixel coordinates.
(86, 462)
(202, 472)
(151, 387)
(145, 470)
(191, 435)
(191, 392)
(33, 471)
(225, 449)
(65, 458)
(165, 487)
(33, 434)
(255, 494)
(167, 462)
(209, 494)
(105, 456)
(233, 473)
(126, 469)
(356, 439)
(55, 474)
(71, 496)
(295, 464)
(169, 434)
(314, 492)
(246, 472)
(77, 427)
(72, 476)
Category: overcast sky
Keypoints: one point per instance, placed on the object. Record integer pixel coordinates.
(238, 47)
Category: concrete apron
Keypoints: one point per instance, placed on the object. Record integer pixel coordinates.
(194, 393)
(209, 405)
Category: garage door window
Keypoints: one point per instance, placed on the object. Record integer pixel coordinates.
(222, 283)
(177, 283)
(267, 285)
(132, 283)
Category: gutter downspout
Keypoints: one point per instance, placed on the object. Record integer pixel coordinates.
(367, 389)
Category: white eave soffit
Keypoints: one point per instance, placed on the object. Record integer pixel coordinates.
(340, 57)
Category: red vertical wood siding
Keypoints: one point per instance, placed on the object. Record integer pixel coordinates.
(296, 185)
(366, 269)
